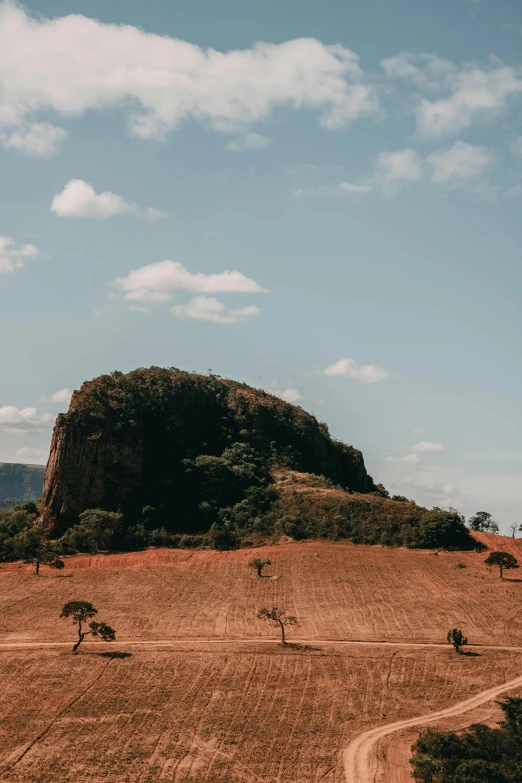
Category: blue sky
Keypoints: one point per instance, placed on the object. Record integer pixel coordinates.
(321, 199)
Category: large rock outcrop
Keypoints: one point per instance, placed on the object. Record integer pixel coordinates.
(123, 443)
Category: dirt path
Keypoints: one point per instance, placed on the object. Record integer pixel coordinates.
(360, 763)
(310, 643)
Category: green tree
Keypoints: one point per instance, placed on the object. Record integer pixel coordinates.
(483, 522)
(444, 529)
(259, 565)
(81, 612)
(457, 639)
(279, 618)
(33, 546)
(503, 560)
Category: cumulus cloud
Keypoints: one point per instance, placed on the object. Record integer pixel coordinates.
(249, 141)
(426, 447)
(460, 162)
(394, 169)
(208, 308)
(341, 189)
(158, 281)
(61, 397)
(13, 257)
(37, 139)
(21, 420)
(426, 71)
(74, 64)
(362, 373)
(477, 95)
(288, 394)
(79, 199)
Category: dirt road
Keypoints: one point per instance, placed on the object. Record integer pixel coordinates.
(360, 763)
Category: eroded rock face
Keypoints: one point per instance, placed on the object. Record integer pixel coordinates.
(122, 443)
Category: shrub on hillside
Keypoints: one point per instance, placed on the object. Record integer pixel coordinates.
(444, 529)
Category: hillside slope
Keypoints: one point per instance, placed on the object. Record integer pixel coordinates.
(336, 590)
(125, 438)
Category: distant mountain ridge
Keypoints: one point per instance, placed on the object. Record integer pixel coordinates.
(20, 482)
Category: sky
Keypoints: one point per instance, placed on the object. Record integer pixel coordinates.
(321, 199)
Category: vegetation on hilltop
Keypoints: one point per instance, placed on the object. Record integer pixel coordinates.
(19, 483)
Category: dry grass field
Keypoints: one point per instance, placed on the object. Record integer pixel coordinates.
(197, 691)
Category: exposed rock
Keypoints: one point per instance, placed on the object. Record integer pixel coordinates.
(123, 441)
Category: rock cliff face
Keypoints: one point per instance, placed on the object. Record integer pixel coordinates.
(123, 443)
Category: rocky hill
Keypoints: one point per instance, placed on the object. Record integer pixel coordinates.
(183, 446)
(20, 482)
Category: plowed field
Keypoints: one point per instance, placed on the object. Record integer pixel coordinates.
(336, 590)
(188, 693)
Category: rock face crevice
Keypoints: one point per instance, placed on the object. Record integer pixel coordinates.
(122, 443)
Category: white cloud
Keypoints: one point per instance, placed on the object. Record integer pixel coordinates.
(13, 257)
(208, 308)
(156, 282)
(62, 397)
(426, 71)
(288, 394)
(460, 162)
(477, 95)
(409, 459)
(393, 169)
(426, 447)
(350, 187)
(20, 420)
(418, 431)
(74, 64)
(156, 214)
(27, 452)
(249, 141)
(348, 368)
(79, 199)
(38, 139)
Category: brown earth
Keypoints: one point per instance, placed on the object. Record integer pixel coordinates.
(214, 699)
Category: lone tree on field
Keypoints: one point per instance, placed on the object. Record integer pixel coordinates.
(45, 556)
(279, 618)
(503, 560)
(81, 611)
(259, 564)
(513, 527)
(457, 639)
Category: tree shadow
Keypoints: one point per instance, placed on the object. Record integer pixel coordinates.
(471, 653)
(109, 654)
(301, 647)
(511, 580)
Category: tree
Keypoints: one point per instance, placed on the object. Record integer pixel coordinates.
(279, 618)
(444, 529)
(503, 560)
(259, 564)
(513, 529)
(32, 546)
(81, 611)
(483, 523)
(457, 639)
